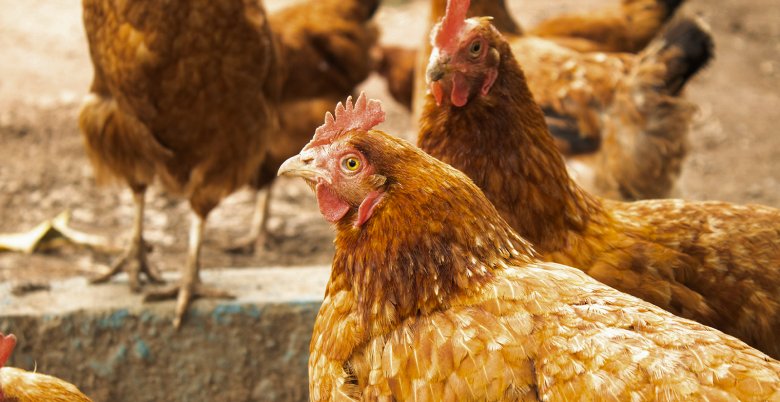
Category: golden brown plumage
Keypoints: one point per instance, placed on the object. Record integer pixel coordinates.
(715, 263)
(434, 297)
(624, 111)
(17, 385)
(628, 28)
(184, 91)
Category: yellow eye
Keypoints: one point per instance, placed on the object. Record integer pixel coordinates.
(351, 163)
(476, 48)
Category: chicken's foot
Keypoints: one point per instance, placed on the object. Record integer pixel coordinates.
(190, 286)
(134, 259)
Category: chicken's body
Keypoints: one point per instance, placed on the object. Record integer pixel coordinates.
(715, 263)
(621, 115)
(184, 91)
(541, 331)
(433, 296)
(17, 385)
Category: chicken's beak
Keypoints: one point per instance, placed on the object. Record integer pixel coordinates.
(437, 69)
(297, 166)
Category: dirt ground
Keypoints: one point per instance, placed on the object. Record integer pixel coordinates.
(45, 71)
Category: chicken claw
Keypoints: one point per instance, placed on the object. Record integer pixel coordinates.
(185, 293)
(135, 262)
(134, 259)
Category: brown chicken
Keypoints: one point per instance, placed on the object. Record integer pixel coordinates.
(184, 91)
(326, 48)
(18, 385)
(637, 22)
(434, 297)
(396, 66)
(628, 28)
(619, 117)
(712, 262)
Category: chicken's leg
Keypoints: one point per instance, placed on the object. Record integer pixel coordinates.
(258, 232)
(190, 286)
(134, 260)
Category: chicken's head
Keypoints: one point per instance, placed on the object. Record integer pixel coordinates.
(464, 60)
(346, 182)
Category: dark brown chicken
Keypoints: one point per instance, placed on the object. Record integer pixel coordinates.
(326, 48)
(433, 297)
(396, 66)
(712, 262)
(183, 91)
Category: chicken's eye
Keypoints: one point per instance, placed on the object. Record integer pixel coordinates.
(351, 164)
(475, 48)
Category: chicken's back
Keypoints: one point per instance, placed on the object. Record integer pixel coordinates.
(197, 81)
(581, 86)
(549, 332)
(720, 263)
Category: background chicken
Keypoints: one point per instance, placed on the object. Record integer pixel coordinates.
(621, 118)
(621, 114)
(17, 385)
(628, 28)
(712, 262)
(326, 48)
(433, 296)
(184, 91)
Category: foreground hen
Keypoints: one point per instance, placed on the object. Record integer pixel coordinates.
(434, 297)
(184, 91)
(17, 385)
(712, 262)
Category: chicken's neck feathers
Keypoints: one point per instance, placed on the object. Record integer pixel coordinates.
(419, 253)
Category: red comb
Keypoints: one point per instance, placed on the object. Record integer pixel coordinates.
(7, 344)
(453, 22)
(363, 115)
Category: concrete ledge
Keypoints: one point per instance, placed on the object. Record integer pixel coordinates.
(115, 348)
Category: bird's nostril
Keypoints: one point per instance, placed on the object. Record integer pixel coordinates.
(435, 74)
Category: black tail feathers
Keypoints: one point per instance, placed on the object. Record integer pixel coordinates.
(687, 47)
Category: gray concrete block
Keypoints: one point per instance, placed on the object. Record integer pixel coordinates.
(115, 348)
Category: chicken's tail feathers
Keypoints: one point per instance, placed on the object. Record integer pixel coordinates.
(684, 47)
(671, 6)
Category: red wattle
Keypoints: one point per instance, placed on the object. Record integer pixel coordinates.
(366, 208)
(460, 90)
(331, 206)
(437, 92)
